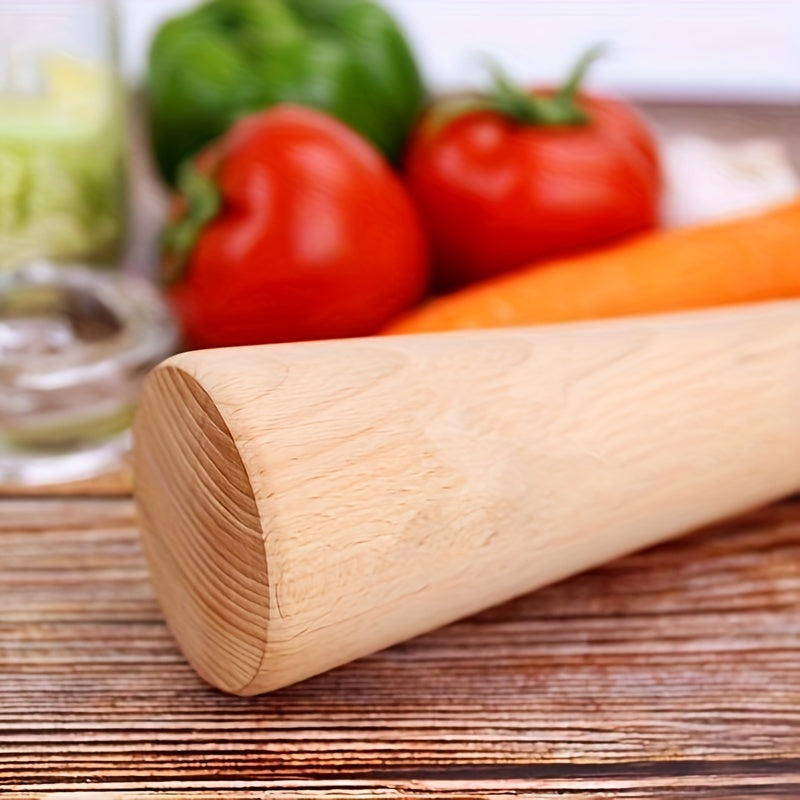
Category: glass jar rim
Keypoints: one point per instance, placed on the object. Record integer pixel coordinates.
(147, 331)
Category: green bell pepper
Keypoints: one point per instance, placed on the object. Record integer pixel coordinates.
(227, 58)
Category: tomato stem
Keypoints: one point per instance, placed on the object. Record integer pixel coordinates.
(532, 108)
(202, 203)
(575, 80)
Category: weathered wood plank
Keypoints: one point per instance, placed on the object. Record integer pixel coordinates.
(117, 483)
(672, 671)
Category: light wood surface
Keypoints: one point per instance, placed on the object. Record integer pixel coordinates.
(306, 504)
(673, 673)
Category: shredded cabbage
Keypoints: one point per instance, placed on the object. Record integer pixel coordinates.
(61, 166)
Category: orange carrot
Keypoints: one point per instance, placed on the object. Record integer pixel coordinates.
(739, 261)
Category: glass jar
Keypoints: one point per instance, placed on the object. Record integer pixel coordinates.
(62, 179)
(75, 345)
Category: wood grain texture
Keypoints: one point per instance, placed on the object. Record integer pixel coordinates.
(671, 673)
(117, 483)
(306, 504)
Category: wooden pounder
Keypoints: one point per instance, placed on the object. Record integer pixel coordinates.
(306, 504)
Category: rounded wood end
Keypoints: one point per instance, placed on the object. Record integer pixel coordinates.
(201, 529)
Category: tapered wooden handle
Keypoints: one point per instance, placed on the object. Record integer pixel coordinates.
(306, 504)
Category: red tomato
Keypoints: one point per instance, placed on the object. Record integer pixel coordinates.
(303, 232)
(498, 193)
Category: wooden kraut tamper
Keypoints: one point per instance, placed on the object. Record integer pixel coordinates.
(305, 504)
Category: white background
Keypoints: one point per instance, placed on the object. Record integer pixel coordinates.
(745, 50)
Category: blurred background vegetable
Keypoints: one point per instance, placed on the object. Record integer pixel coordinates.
(226, 58)
(746, 260)
(290, 227)
(510, 176)
(62, 171)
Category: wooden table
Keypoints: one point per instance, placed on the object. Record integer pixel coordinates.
(671, 673)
